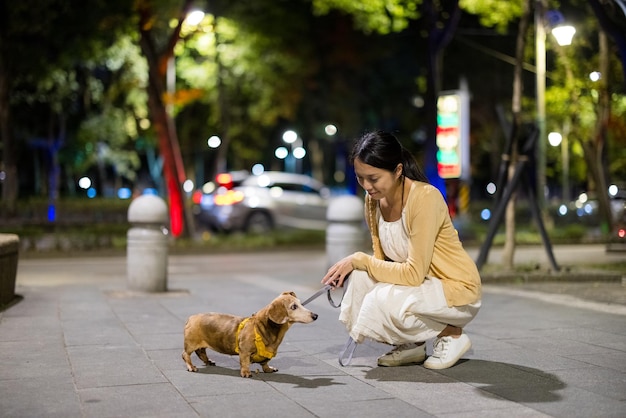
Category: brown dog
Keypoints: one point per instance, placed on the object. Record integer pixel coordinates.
(255, 338)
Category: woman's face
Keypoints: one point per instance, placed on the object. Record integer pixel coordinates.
(377, 182)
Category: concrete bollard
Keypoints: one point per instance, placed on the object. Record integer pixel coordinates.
(146, 249)
(346, 232)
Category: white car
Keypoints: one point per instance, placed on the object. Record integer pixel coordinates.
(260, 203)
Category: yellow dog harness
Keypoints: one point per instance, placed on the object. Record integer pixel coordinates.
(262, 353)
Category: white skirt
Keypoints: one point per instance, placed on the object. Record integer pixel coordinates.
(395, 314)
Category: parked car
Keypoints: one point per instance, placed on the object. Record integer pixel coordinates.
(260, 203)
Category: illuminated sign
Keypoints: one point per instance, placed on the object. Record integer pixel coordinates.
(453, 135)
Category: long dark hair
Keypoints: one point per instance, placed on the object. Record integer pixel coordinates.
(382, 150)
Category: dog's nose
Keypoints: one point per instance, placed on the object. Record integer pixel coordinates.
(314, 316)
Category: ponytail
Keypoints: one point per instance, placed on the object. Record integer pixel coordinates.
(410, 168)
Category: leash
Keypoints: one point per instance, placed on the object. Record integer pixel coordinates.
(327, 289)
(345, 356)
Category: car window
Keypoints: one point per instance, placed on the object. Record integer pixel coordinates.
(292, 187)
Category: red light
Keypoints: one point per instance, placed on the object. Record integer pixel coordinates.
(621, 232)
(196, 197)
(224, 179)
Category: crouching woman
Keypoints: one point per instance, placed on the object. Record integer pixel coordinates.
(420, 283)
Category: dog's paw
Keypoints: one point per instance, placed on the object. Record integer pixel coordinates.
(209, 363)
(192, 369)
(269, 369)
(245, 373)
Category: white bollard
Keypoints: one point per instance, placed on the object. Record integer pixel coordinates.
(146, 249)
(346, 232)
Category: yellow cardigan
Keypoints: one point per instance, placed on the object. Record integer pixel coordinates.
(434, 248)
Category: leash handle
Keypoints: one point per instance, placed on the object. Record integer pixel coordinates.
(348, 350)
(330, 298)
(327, 289)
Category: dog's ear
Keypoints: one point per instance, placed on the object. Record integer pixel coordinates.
(290, 294)
(278, 312)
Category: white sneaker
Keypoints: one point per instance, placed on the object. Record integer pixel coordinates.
(447, 351)
(403, 355)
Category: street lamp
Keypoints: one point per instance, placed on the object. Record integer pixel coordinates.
(563, 36)
(295, 153)
(555, 139)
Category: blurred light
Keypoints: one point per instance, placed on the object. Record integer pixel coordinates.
(276, 192)
(84, 183)
(281, 153)
(613, 189)
(144, 123)
(485, 214)
(208, 187)
(418, 101)
(52, 213)
(564, 34)
(214, 141)
(254, 201)
(195, 17)
(621, 232)
(588, 208)
(491, 188)
(563, 210)
(196, 197)
(258, 169)
(583, 197)
(299, 152)
(150, 191)
(263, 180)
(225, 180)
(229, 198)
(188, 186)
(555, 138)
(290, 137)
(3, 175)
(124, 193)
(339, 176)
(595, 76)
(330, 130)
(91, 193)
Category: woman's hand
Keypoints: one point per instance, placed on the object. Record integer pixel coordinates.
(337, 274)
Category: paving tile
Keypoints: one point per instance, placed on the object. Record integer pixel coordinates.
(143, 400)
(112, 365)
(40, 396)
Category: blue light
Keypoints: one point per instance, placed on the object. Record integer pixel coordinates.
(485, 214)
(562, 210)
(124, 193)
(52, 212)
(91, 193)
(151, 191)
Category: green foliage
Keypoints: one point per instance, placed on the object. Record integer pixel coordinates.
(382, 16)
(494, 13)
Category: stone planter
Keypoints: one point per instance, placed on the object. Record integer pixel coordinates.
(9, 246)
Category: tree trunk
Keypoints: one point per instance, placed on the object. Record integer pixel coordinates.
(438, 38)
(164, 125)
(516, 107)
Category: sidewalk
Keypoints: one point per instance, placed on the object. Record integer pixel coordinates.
(80, 345)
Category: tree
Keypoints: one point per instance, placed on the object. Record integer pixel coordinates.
(438, 19)
(152, 29)
(40, 47)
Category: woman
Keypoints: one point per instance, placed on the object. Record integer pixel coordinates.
(420, 283)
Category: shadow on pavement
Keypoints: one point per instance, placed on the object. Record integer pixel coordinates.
(513, 382)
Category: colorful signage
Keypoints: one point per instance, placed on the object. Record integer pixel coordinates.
(453, 135)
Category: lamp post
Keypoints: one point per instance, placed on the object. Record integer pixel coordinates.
(555, 139)
(563, 35)
(295, 153)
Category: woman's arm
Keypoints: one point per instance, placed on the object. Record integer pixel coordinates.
(425, 212)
